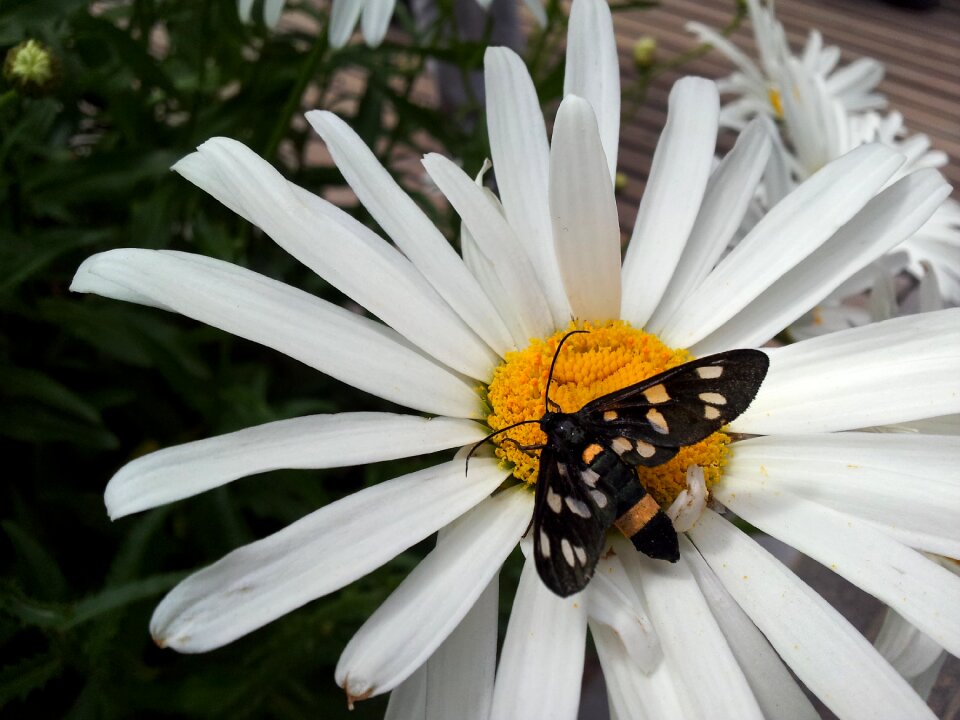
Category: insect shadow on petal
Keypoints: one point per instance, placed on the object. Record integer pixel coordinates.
(587, 480)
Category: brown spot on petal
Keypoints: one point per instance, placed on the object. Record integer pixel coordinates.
(351, 698)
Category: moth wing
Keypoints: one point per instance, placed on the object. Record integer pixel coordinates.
(678, 407)
(571, 514)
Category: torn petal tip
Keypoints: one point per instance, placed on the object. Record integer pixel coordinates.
(351, 697)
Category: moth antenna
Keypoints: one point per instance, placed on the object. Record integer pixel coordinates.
(547, 402)
(492, 435)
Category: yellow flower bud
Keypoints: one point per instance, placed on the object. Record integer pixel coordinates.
(645, 51)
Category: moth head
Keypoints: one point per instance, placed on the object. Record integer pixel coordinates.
(561, 427)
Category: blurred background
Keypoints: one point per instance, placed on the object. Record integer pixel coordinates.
(87, 384)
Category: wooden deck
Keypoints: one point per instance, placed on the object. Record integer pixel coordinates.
(921, 51)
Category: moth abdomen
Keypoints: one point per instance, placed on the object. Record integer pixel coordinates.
(648, 527)
(639, 517)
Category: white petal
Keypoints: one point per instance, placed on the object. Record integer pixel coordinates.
(858, 78)
(710, 36)
(693, 645)
(318, 441)
(272, 9)
(913, 654)
(793, 229)
(343, 19)
(316, 555)
(689, 504)
(521, 160)
(586, 228)
(339, 249)
(917, 588)
(486, 274)
(903, 484)
(541, 664)
(824, 650)
(943, 425)
(886, 221)
(376, 20)
(633, 693)
(729, 191)
(409, 700)
(460, 673)
(672, 197)
(244, 8)
(777, 693)
(613, 602)
(593, 71)
(888, 372)
(349, 347)
(410, 228)
(497, 241)
(419, 615)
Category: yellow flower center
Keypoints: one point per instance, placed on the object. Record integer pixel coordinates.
(610, 357)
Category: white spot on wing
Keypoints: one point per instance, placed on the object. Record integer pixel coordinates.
(544, 544)
(621, 445)
(578, 507)
(710, 413)
(710, 372)
(590, 477)
(581, 554)
(659, 423)
(645, 449)
(599, 498)
(567, 552)
(554, 501)
(657, 394)
(713, 398)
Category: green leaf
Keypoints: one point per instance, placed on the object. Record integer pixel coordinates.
(22, 678)
(32, 612)
(22, 258)
(113, 598)
(37, 569)
(30, 423)
(35, 386)
(28, 611)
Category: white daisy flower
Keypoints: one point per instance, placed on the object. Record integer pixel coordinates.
(709, 636)
(756, 83)
(374, 17)
(815, 129)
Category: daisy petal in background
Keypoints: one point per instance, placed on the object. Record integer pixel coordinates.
(373, 15)
(272, 9)
(374, 18)
(756, 83)
(674, 638)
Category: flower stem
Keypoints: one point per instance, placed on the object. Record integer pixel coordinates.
(307, 70)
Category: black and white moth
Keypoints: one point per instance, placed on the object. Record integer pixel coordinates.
(587, 480)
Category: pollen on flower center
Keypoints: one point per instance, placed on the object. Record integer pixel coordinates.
(610, 357)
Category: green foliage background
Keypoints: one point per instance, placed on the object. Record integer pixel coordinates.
(87, 384)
